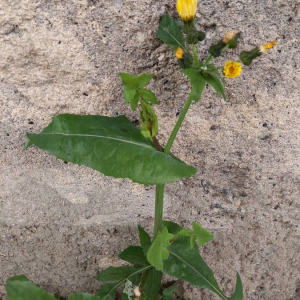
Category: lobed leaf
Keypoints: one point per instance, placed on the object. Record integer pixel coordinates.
(158, 251)
(198, 234)
(111, 145)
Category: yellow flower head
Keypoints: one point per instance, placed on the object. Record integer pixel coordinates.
(186, 9)
(265, 47)
(232, 69)
(229, 36)
(179, 53)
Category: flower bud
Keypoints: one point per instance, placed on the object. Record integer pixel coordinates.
(192, 37)
(229, 36)
(186, 61)
(248, 56)
(215, 50)
(266, 47)
(201, 36)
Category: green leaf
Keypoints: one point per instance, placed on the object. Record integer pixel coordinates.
(198, 234)
(115, 273)
(132, 88)
(203, 236)
(153, 284)
(197, 83)
(145, 239)
(112, 146)
(135, 82)
(215, 82)
(83, 296)
(175, 288)
(238, 292)
(172, 227)
(148, 96)
(158, 250)
(134, 255)
(186, 263)
(27, 144)
(21, 288)
(108, 291)
(169, 33)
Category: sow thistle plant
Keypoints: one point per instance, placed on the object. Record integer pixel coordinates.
(115, 147)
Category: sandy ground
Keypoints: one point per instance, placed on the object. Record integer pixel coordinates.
(61, 223)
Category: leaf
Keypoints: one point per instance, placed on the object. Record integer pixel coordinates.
(197, 83)
(203, 236)
(148, 96)
(108, 291)
(169, 33)
(135, 82)
(21, 288)
(112, 146)
(238, 292)
(134, 255)
(175, 288)
(145, 239)
(199, 234)
(152, 285)
(83, 296)
(186, 263)
(132, 86)
(173, 227)
(115, 273)
(215, 82)
(158, 250)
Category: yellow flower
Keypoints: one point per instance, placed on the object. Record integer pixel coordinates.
(179, 53)
(264, 48)
(186, 9)
(229, 36)
(232, 69)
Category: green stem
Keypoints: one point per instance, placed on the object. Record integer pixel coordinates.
(208, 60)
(177, 125)
(195, 56)
(159, 203)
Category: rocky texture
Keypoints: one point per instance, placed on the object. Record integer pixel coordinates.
(61, 223)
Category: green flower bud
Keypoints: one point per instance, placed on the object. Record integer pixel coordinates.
(186, 61)
(215, 50)
(233, 42)
(248, 56)
(201, 36)
(192, 37)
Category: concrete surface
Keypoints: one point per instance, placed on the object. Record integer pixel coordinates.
(61, 223)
